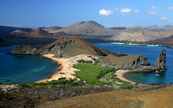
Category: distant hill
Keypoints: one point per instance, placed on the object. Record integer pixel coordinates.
(137, 34)
(88, 28)
(159, 28)
(117, 28)
(51, 29)
(38, 33)
(162, 42)
(18, 33)
(6, 30)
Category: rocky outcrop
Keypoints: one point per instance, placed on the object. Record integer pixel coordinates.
(28, 50)
(127, 62)
(161, 61)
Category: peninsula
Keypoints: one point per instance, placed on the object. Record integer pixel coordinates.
(68, 51)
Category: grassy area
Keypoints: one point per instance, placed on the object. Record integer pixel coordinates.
(95, 74)
(59, 82)
(91, 73)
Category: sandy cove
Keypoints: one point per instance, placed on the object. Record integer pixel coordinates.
(65, 66)
(120, 75)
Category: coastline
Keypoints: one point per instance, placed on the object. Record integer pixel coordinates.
(120, 75)
(65, 66)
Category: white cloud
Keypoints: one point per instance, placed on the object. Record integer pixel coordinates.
(163, 18)
(125, 10)
(169, 8)
(128, 10)
(153, 7)
(105, 12)
(166, 18)
(152, 13)
(136, 11)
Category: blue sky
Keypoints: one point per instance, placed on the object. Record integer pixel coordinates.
(36, 13)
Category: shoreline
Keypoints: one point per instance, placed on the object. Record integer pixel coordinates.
(65, 67)
(120, 75)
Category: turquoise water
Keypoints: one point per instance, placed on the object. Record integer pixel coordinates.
(18, 69)
(151, 52)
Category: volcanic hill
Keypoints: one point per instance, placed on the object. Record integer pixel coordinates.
(88, 28)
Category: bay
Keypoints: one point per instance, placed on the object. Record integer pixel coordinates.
(151, 53)
(20, 69)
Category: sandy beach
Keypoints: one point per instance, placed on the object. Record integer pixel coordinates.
(65, 66)
(120, 75)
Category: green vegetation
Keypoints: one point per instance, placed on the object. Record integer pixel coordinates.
(91, 73)
(83, 61)
(125, 86)
(59, 82)
(95, 74)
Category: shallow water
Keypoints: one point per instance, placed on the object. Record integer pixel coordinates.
(18, 69)
(151, 52)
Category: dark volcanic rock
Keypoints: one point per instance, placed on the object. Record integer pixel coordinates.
(126, 62)
(161, 61)
(30, 50)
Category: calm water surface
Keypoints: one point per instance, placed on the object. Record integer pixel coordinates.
(151, 52)
(18, 69)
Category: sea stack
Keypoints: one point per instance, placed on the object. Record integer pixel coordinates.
(161, 61)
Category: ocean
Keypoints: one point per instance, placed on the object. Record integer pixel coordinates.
(151, 53)
(20, 69)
